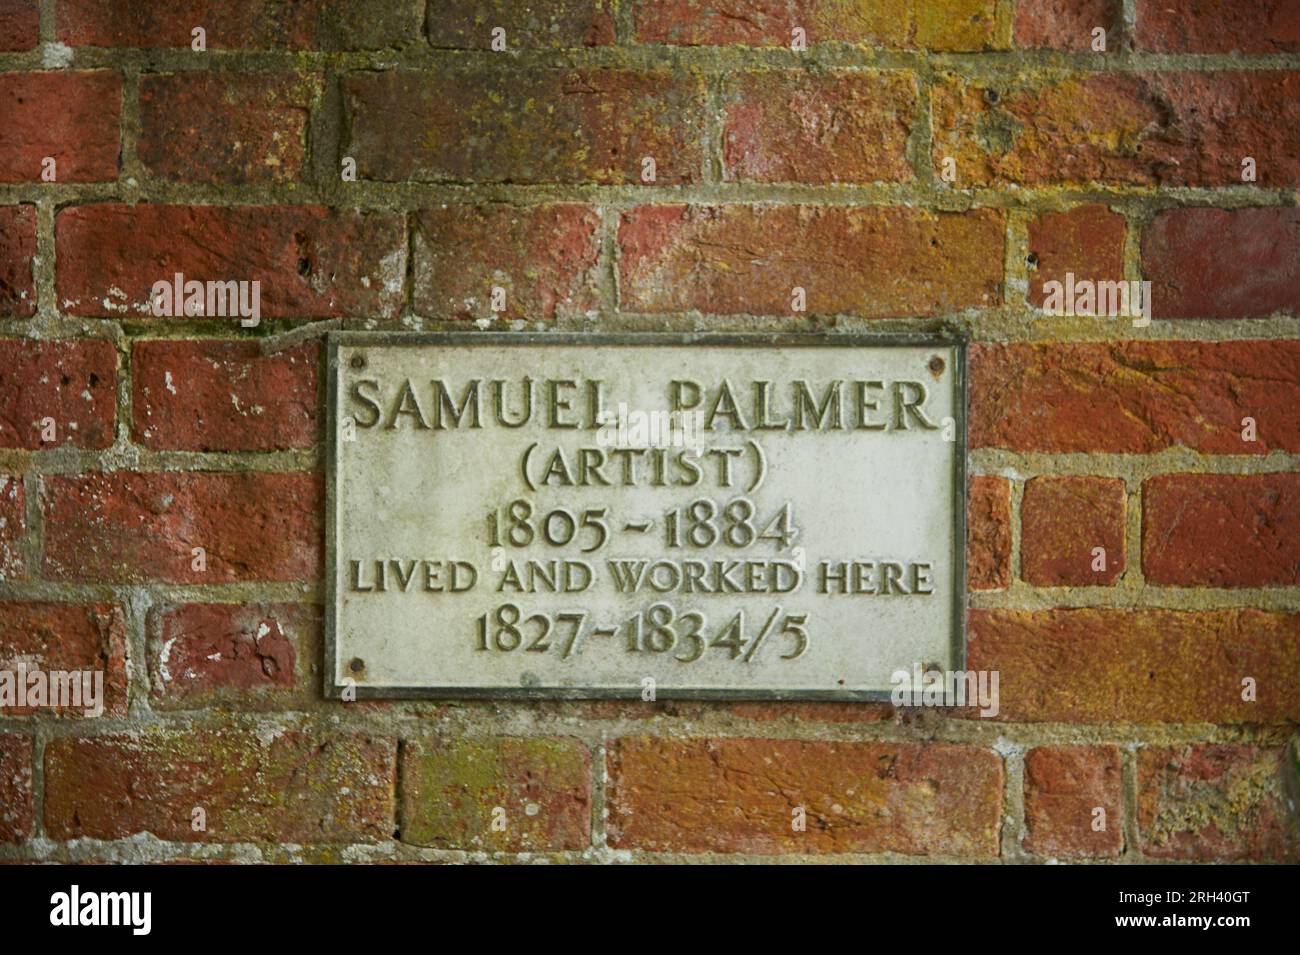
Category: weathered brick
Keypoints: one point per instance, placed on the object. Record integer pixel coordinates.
(72, 382)
(69, 116)
(544, 257)
(1141, 396)
(897, 24)
(223, 395)
(1062, 521)
(1139, 666)
(278, 787)
(837, 126)
(1064, 786)
(1086, 240)
(450, 792)
(17, 250)
(1170, 129)
(507, 120)
(504, 125)
(953, 25)
(15, 786)
(872, 261)
(988, 533)
(20, 22)
(739, 795)
(206, 654)
(253, 24)
(1220, 263)
(1214, 803)
(126, 527)
(1068, 24)
(67, 637)
(771, 22)
(1221, 530)
(311, 261)
(540, 24)
(13, 528)
(233, 128)
(1218, 26)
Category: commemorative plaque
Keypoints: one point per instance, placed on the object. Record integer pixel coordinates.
(732, 517)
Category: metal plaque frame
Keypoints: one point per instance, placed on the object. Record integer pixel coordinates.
(334, 339)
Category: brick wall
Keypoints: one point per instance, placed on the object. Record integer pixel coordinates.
(920, 162)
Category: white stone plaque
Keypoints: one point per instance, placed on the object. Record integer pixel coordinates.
(650, 516)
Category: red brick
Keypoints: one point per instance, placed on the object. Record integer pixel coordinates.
(1085, 240)
(20, 22)
(73, 382)
(450, 791)
(1139, 666)
(1214, 803)
(311, 261)
(1221, 530)
(988, 534)
(769, 22)
(15, 786)
(1169, 129)
(13, 528)
(1219, 26)
(254, 24)
(1217, 263)
(872, 261)
(69, 116)
(278, 787)
(223, 396)
(1141, 397)
(52, 636)
(544, 257)
(946, 25)
(503, 125)
(1062, 520)
(229, 128)
(201, 654)
(837, 126)
(17, 250)
(129, 528)
(541, 24)
(898, 24)
(738, 795)
(1068, 24)
(1064, 785)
